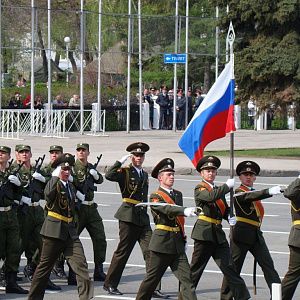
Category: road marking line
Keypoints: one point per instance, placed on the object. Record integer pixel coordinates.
(113, 297)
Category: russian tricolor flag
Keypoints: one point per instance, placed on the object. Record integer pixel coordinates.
(213, 119)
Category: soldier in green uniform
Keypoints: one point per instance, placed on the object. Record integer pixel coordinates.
(292, 277)
(246, 234)
(55, 151)
(60, 233)
(85, 178)
(31, 213)
(134, 223)
(168, 242)
(9, 227)
(209, 237)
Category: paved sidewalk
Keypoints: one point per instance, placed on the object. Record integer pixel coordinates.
(164, 143)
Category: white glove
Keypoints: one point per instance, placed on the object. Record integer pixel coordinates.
(14, 180)
(230, 182)
(94, 173)
(299, 176)
(275, 190)
(71, 178)
(25, 200)
(190, 212)
(232, 220)
(56, 172)
(39, 177)
(124, 158)
(80, 196)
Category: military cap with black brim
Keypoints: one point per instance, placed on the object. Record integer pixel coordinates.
(247, 166)
(165, 165)
(5, 149)
(65, 160)
(208, 162)
(138, 148)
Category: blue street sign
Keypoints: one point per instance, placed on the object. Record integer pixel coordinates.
(174, 58)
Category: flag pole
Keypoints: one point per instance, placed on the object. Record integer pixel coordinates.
(229, 41)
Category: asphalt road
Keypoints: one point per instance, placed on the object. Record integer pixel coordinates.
(276, 227)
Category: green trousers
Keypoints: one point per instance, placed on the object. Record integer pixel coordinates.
(159, 262)
(74, 254)
(31, 220)
(10, 241)
(292, 277)
(90, 220)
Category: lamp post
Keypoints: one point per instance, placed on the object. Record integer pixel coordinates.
(67, 41)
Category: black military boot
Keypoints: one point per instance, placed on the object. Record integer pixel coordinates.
(99, 274)
(72, 277)
(51, 286)
(11, 284)
(29, 270)
(59, 269)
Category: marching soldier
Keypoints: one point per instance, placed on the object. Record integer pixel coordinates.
(134, 221)
(292, 277)
(209, 237)
(9, 226)
(60, 233)
(246, 233)
(55, 151)
(31, 214)
(85, 178)
(168, 241)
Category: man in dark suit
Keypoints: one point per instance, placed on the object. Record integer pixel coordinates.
(164, 105)
(209, 237)
(168, 242)
(246, 233)
(292, 277)
(60, 233)
(134, 223)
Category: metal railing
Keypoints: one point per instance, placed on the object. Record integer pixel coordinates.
(52, 123)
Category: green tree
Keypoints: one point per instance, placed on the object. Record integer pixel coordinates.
(267, 49)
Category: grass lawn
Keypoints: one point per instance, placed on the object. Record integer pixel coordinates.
(292, 153)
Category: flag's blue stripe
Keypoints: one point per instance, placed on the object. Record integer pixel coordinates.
(192, 137)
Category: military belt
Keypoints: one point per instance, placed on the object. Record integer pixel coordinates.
(87, 202)
(37, 203)
(297, 222)
(6, 208)
(210, 220)
(132, 201)
(167, 228)
(248, 221)
(60, 217)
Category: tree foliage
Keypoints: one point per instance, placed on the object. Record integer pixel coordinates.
(267, 49)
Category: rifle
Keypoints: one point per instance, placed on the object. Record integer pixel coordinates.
(35, 186)
(89, 181)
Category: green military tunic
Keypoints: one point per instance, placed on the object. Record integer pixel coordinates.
(210, 239)
(247, 236)
(88, 214)
(167, 246)
(60, 235)
(9, 226)
(134, 221)
(292, 277)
